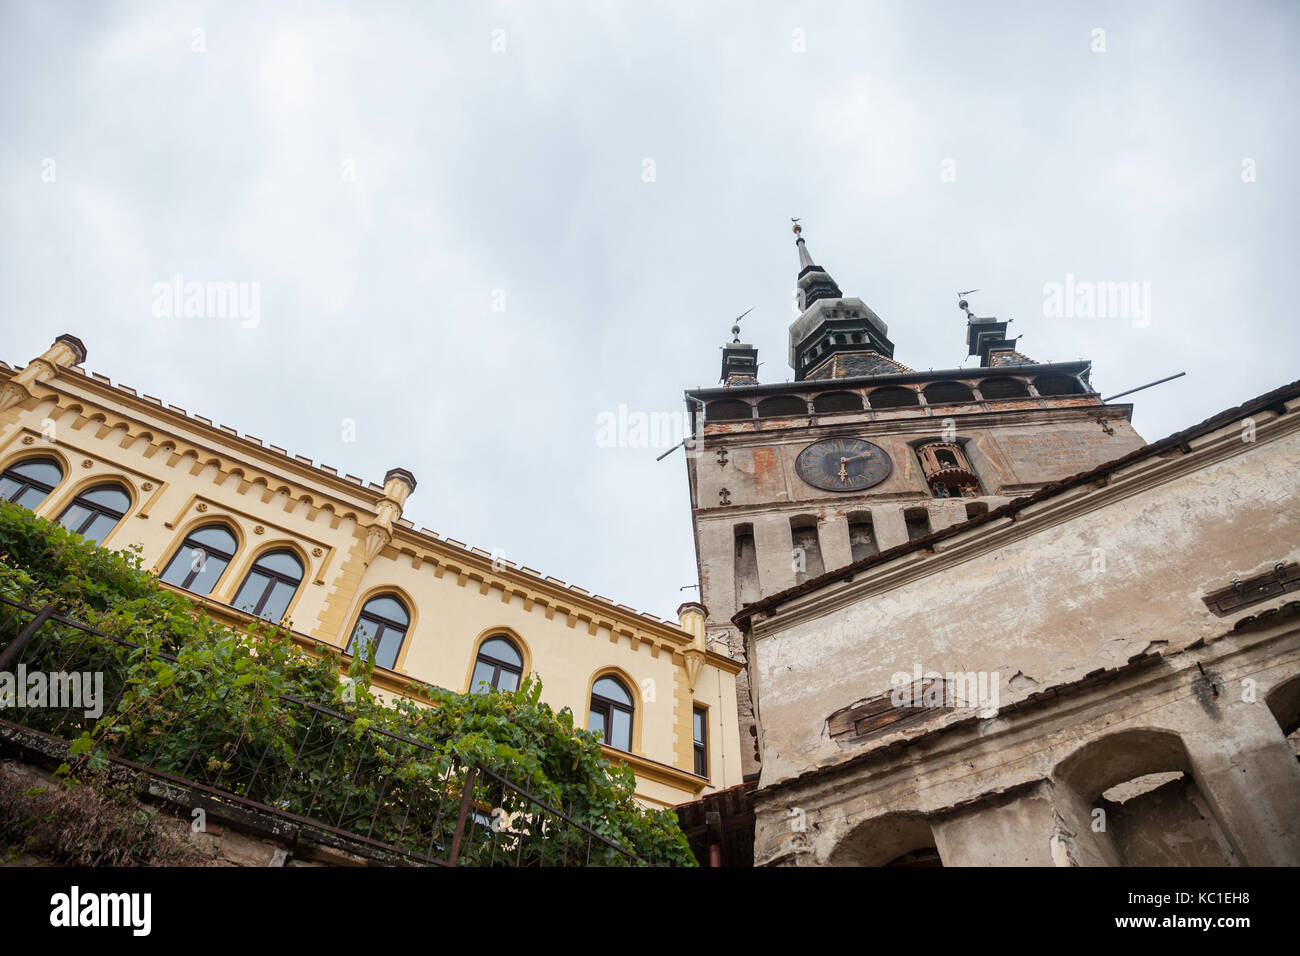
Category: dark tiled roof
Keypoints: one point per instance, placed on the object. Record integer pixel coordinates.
(735, 829)
(856, 365)
(999, 359)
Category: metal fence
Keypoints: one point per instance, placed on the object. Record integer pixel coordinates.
(294, 759)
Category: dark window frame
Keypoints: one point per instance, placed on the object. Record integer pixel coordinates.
(25, 483)
(498, 665)
(275, 577)
(189, 544)
(382, 624)
(605, 707)
(94, 509)
(700, 744)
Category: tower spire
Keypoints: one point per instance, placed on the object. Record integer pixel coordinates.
(805, 260)
(814, 282)
(834, 336)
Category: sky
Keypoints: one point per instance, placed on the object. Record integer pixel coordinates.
(472, 229)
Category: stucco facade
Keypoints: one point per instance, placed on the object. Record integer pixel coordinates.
(182, 472)
(1132, 715)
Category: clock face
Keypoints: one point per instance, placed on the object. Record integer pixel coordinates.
(843, 464)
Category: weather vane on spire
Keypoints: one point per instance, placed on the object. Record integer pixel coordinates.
(797, 228)
(735, 328)
(963, 304)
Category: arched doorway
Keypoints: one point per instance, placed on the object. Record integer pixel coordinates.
(1137, 803)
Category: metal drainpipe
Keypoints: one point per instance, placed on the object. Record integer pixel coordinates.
(700, 403)
(713, 826)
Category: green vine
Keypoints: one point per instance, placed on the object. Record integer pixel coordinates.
(200, 700)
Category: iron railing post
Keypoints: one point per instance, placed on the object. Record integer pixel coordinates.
(466, 802)
(15, 648)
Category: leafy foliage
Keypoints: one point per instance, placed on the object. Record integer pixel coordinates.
(254, 715)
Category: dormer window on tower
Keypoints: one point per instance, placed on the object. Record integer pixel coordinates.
(947, 470)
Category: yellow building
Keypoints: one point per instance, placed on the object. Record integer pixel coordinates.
(254, 530)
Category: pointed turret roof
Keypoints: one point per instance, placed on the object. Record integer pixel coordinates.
(814, 282)
(831, 325)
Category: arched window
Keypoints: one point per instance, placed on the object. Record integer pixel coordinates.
(270, 586)
(28, 482)
(781, 405)
(382, 623)
(996, 388)
(726, 410)
(611, 713)
(947, 470)
(96, 511)
(862, 537)
(746, 567)
(806, 555)
(942, 393)
(918, 523)
(832, 402)
(892, 396)
(499, 666)
(1058, 385)
(201, 559)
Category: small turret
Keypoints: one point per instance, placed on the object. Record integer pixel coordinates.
(739, 360)
(987, 338)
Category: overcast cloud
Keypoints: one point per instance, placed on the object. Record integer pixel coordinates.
(379, 169)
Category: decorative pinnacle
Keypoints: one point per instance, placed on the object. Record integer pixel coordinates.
(74, 343)
(402, 475)
(805, 260)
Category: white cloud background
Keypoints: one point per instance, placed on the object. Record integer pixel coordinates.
(522, 170)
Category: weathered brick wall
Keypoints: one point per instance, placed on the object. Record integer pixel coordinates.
(1042, 454)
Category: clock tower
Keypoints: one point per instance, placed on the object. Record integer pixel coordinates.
(860, 454)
